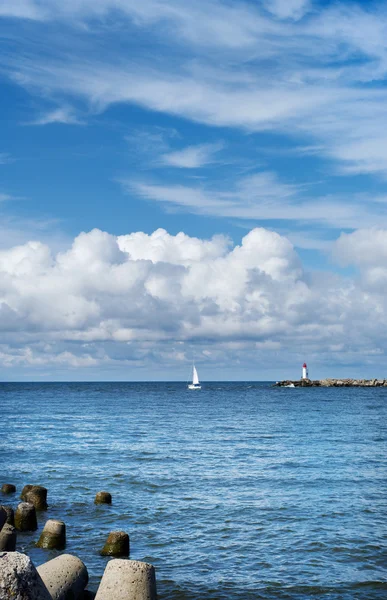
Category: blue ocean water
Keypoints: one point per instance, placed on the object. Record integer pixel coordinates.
(240, 490)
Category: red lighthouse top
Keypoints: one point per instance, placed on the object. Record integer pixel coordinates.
(304, 366)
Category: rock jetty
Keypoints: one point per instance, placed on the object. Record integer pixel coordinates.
(332, 383)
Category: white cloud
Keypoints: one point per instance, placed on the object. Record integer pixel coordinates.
(263, 197)
(192, 157)
(285, 9)
(364, 248)
(179, 249)
(314, 77)
(25, 9)
(367, 250)
(205, 22)
(63, 115)
(146, 298)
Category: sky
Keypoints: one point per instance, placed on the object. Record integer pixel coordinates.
(193, 180)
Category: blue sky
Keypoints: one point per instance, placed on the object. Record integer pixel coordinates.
(212, 118)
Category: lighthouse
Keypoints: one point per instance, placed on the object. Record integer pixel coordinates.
(305, 371)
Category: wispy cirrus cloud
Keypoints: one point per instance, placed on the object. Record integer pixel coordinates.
(224, 25)
(22, 9)
(192, 157)
(285, 9)
(63, 115)
(262, 197)
(312, 79)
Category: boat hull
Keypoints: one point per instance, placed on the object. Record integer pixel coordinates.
(193, 386)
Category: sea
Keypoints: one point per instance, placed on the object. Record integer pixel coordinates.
(237, 491)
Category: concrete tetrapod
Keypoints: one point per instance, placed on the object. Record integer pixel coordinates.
(127, 580)
(3, 516)
(8, 539)
(8, 488)
(19, 579)
(103, 498)
(64, 576)
(117, 544)
(24, 491)
(10, 514)
(25, 517)
(37, 496)
(53, 535)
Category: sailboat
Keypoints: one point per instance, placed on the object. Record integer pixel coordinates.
(195, 385)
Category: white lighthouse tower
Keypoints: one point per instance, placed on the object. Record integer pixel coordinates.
(305, 371)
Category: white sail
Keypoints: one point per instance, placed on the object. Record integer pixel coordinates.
(195, 378)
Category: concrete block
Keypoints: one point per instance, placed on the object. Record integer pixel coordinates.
(3, 516)
(65, 577)
(103, 498)
(24, 491)
(19, 580)
(8, 538)
(37, 496)
(53, 535)
(25, 517)
(10, 514)
(127, 580)
(117, 544)
(8, 488)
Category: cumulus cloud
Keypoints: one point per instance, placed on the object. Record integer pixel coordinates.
(108, 300)
(365, 249)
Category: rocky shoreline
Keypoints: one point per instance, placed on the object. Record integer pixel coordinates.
(332, 383)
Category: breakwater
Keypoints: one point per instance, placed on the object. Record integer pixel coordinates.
(332, 383)
(64, 576)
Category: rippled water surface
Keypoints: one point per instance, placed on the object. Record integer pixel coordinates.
(238, 491)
